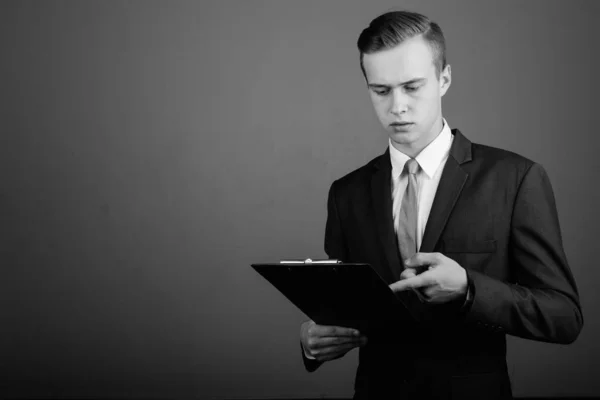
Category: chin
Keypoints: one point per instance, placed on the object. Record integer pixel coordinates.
(406, 137)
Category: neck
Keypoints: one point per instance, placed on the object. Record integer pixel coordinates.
(412, 149)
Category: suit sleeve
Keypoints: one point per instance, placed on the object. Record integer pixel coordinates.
(335, 248)
(541, 302)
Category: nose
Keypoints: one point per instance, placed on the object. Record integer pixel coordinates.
(399, 102)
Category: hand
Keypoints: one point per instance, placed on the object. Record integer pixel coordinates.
(442, 281)
(327, 343)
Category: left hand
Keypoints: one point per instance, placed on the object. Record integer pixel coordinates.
(444, 279)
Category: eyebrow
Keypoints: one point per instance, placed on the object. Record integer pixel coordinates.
(412, 81)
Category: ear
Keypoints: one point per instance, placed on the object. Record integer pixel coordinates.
(445, 79)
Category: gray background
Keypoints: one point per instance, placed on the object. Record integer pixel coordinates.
(150, 151)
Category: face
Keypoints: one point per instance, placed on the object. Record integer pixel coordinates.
(407, 93)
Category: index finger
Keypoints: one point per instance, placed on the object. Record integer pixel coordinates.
(412, 283)
(328, 330)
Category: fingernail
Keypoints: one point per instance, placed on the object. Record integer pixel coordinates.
(356, 333)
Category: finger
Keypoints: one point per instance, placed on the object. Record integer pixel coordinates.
(425, 279)
(434, 295)
(324, 342)
(410, 283)
(305, 330)
(331, 353)
(408, 273)
(315, 346)
(430, 292)
(335, 331)
(422, 260)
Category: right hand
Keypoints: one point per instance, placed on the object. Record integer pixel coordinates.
(326, 343)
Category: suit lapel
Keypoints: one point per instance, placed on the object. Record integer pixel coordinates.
(381, 192)
(451, 184)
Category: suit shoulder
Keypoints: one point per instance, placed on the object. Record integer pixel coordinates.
(359, 176)
(494, 157)
(503, 167)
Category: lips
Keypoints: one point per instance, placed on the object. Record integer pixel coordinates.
(400, 123)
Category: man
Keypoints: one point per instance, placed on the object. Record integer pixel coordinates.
(466, 235)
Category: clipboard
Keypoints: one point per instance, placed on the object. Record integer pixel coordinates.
(350, 295)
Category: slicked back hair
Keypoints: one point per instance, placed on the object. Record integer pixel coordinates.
(392, 28)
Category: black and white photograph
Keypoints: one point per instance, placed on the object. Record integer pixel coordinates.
(293, 200)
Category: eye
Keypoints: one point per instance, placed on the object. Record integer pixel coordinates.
(381, 92)
(411, 88)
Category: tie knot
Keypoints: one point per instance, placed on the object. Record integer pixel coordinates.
(412, 166)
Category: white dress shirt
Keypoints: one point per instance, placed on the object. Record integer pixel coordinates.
(431, 161)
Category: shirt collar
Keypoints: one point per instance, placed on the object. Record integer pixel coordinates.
(429, 158)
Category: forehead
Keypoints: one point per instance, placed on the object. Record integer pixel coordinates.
(411, 59)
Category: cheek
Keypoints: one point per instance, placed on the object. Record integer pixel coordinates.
(431, 97)
(426, 103)
(380, 106)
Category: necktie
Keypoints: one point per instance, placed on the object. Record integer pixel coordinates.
(407, 218)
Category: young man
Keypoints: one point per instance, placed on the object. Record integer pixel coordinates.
(466, 235)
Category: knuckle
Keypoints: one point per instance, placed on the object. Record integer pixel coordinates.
(322, 358)
(407, 273)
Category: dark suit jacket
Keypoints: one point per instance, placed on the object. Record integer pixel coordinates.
(493, 213)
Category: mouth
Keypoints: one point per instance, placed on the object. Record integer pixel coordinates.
(400, 124)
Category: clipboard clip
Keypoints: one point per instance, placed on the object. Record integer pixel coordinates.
(309, 261)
